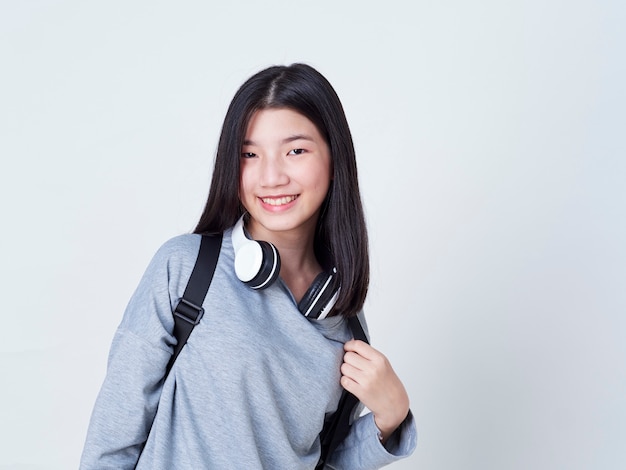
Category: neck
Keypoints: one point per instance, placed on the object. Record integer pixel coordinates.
(298, 270)
(299, 266)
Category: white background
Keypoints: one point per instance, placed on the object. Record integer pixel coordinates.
(491, 143)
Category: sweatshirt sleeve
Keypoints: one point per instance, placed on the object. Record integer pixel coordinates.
(362, 449)
(141, 348)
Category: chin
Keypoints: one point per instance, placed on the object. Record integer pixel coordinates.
(284, 222)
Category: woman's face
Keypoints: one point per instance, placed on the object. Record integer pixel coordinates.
(285, 173)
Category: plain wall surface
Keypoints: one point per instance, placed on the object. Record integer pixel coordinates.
(490, 139)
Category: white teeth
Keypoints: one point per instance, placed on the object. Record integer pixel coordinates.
(278, 201)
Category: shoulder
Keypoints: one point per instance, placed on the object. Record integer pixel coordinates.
(179, 248)
(174, 257)
(180, 245)
(178, 255)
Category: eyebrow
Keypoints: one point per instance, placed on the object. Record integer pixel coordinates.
(286, 140)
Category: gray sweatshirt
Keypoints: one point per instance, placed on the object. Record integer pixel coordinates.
(250, 390)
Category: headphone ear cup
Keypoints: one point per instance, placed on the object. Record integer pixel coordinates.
(257, 264)
(320, 298)
(270, 269)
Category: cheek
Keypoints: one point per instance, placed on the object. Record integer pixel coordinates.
(320, 177)
(319, 186)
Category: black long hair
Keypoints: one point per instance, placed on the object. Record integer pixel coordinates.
(341, 229)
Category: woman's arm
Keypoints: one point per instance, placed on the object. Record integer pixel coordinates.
(367, 374)
(126, 405)
(142, 346)
(388, 433)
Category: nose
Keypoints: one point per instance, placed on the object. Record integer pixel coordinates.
(273, 172)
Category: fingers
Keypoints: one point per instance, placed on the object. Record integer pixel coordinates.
(355, 360)
(349, 384)
(353, 373)
(360, 347)
(367, 374)
(363, 364)
(363, 356)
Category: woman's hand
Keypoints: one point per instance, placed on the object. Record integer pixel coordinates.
(367, 374)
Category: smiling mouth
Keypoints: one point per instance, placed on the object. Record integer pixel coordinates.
(278, 201)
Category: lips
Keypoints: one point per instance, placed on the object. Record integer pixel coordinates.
(278, 201)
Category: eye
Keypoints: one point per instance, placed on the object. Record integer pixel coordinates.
(248, 155)
(296, 152)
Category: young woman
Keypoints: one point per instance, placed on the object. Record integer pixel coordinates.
(253, 385)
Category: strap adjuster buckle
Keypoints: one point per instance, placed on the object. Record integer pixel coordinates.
(188, 311)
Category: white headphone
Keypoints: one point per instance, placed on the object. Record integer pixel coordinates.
(257, 264)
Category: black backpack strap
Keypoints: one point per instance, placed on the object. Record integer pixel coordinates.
(189, 311)
(336, 428)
